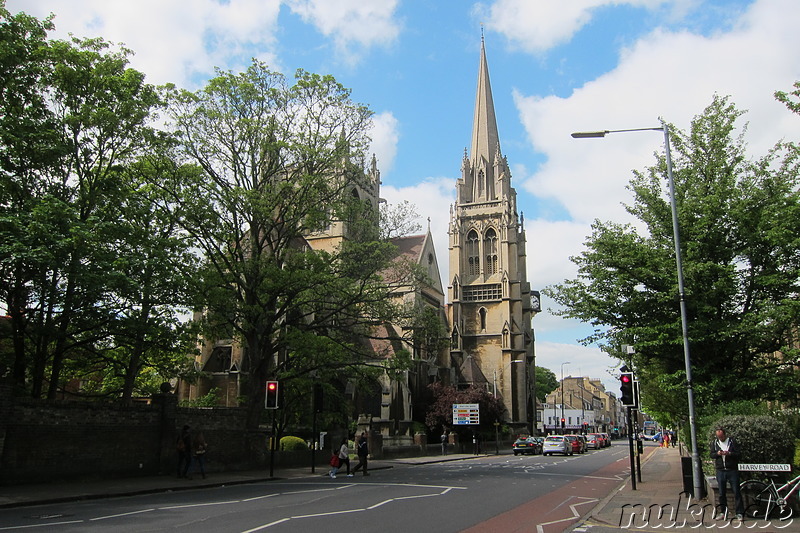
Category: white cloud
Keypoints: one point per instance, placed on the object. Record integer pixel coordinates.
(538, 25)
(171, 43)
(673, 75)
(385, 135)
(351, 22)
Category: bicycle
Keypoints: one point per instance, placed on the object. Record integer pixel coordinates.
(761, 500)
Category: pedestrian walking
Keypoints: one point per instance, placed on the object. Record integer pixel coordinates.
(184, 446)
(200, 447)
(335, 464)
(726, 454)
(362, 449)
(344, 459)
(444, 442)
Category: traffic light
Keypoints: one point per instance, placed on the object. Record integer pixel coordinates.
(271, 401)
(626, 388)
(563, 423)
(318, 398)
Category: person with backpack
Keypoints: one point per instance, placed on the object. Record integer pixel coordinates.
(184, 446)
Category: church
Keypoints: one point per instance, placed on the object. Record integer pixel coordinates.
(489, 308)
(490, 300)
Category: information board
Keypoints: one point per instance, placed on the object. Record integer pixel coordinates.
(466, 414)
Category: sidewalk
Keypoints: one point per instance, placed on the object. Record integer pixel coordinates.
(659, 504)
(45, 493)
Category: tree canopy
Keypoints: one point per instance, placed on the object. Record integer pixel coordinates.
(86, 266)
(278, 162)
(740, 236)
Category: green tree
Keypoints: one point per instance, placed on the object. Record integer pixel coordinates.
(280, 162)
(546, 382)
(87, 264)
(739, 224)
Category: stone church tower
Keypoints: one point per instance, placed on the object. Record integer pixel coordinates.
(490, 298)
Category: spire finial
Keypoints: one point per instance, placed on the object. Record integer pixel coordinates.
(481, 33)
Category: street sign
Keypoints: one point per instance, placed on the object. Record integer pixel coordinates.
(760, 467)
(466, 414)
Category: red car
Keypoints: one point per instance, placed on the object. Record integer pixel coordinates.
(594, 441)
(577, 445)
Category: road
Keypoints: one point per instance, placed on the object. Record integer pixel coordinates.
(494, 493)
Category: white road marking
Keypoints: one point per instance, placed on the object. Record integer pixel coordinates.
(575, 513)
(49, 524)
(444, 491)
(206, 504)
(121, 514)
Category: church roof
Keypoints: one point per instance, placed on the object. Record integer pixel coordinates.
(485, 139)
(409, 246)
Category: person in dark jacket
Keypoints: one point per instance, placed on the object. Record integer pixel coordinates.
(726, 454)
(184, 447)
(363, 451)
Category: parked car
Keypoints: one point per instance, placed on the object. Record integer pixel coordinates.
(594, 441)
(576, 442)
(557, 444)
(525, 445)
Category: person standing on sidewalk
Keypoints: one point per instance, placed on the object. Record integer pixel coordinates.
(362, 449)
(444, 442)
(184, 446)
(200, 447)
(725, 452)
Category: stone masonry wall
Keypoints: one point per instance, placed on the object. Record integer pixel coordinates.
(42, 441)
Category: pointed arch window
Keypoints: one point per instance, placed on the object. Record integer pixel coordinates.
(473, 254)
(481, 183)
(490, 248)
(482, 318)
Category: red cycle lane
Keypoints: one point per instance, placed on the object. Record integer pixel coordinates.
(558, 510)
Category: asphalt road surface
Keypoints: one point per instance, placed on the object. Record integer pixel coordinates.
(497, 493)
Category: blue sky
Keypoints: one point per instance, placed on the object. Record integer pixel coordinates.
(556, 66)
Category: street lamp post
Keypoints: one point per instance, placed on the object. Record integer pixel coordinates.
(562, 393)
(696, 468)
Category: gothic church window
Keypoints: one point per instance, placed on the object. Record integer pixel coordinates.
(482, 317)
(490, 248)
(473, 254)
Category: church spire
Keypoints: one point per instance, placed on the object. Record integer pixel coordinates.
(485, 139)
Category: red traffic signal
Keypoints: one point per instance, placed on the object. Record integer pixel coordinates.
(626, 389)
(271, 401)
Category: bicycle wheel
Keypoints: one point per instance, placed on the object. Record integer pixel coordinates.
(758, 498)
